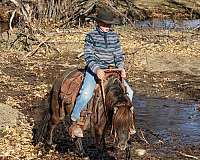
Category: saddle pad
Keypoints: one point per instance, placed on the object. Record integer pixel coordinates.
(71, 86)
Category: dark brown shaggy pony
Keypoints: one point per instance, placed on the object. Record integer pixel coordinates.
(117, 110)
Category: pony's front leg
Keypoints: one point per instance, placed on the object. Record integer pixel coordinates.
(128, 153)
(100, 138)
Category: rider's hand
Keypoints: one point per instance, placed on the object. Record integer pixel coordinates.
(100, 74)
(123, 73)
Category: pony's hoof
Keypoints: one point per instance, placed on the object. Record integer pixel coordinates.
(132, 131)
(49, 142)
(86, 158)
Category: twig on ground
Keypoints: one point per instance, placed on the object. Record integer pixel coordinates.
(142, 137)
(33, 52)
(188, 156)
(53, 48)
(196, 28)
(80, 55)
(160, 140)
(59, 42)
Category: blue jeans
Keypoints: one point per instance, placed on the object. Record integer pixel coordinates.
(86, 93)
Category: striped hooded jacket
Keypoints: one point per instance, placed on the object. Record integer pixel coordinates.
(103, 49)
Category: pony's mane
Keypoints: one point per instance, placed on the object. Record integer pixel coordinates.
(114, 85)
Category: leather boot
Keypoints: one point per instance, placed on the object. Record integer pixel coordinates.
(76, 129)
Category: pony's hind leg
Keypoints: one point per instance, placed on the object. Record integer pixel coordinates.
(53, 122)
(53, 111)
(100, 140)
(50, 133)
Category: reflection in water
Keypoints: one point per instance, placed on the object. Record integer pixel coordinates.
(170, 119)
(168, 24)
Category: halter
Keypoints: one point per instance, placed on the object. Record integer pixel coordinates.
(124, 93)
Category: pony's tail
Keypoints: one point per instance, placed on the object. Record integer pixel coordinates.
(44, 126)
(56, 105)
(40, 130)
(49, 101)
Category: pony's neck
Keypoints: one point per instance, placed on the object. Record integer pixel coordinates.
(115, 92)
(115, 85)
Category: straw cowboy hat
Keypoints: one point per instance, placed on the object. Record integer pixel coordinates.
(105, 15)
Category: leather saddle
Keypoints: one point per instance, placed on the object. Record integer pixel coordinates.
(70, 88)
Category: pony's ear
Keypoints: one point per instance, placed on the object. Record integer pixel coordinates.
(132, 109)
(115, 109)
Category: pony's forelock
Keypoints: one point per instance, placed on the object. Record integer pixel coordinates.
(123, 118)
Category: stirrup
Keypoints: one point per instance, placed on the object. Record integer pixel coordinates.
(76, 129)
(81, 122)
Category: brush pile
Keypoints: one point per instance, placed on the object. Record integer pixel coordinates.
(75, 12)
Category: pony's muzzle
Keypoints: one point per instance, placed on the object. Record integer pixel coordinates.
(122, 139)
(123, 146)
(132, 131)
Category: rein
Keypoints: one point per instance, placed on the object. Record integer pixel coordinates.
(103, 98)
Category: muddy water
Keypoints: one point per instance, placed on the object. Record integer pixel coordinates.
(176, 122)
(168, 24)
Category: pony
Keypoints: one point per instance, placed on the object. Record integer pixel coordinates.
(112, 108)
